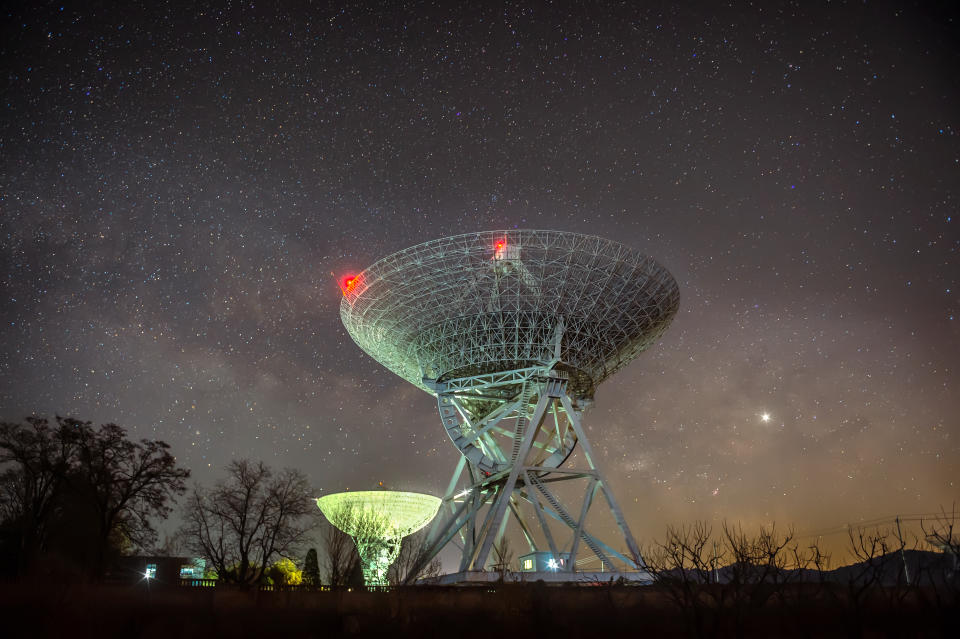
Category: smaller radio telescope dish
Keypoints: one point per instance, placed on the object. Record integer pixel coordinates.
(378, 520)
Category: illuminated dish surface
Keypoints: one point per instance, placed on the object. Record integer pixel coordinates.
(502, 300)
(393, 514)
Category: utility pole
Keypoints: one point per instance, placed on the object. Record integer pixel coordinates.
(716, 572)
(903, 555)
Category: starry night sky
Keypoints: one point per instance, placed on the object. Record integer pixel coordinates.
(180, 187)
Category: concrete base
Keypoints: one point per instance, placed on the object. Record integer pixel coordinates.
(468, 578)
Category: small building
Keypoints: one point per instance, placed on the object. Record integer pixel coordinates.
(157, 569)
(543, 561)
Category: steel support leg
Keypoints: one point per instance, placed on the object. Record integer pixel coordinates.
(614, 507)
(503, 499)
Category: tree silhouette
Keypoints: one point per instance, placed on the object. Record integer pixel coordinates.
(249, 520)
(502, 557)
(720, 583)
(681, 565)
(412, 552)
(340, 557)
(38, 459)
(311, 570)
(93, 484)
(126, 484)
(942, 532)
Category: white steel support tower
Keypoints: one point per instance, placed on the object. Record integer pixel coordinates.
(512, 331)
(511, 456)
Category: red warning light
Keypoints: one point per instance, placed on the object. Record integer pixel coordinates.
(348, 283)
(503, 252)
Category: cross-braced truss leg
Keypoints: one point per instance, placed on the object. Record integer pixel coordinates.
(515, 430)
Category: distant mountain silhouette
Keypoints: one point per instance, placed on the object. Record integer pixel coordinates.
(924, 567)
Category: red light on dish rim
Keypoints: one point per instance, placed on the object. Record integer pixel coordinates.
(348, 283)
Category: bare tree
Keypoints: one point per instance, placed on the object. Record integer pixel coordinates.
(412, 553)
(340, 557)
(127, 484)
(943, 533)
(763, 566)
(812, 567)
(246, 522)
(720, 583)
(681, 566)
(502, 557)
(762, 562)
(862, 580)
(15, 495)
(172, 545)
(37, 458)
(85, 478)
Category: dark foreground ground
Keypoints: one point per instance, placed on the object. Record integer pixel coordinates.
(45, 610)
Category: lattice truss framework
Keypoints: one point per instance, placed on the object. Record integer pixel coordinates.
(504, 300)
(479, 503)
(378, 520)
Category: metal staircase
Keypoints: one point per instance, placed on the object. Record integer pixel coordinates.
(565, 516)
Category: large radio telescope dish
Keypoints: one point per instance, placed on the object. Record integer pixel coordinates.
(512, 331)
(504, 300)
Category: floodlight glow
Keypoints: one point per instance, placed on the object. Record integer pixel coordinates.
(378, 520)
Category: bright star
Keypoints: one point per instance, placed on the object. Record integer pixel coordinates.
(765, 417)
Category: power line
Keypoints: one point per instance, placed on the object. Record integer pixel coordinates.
(886, 519)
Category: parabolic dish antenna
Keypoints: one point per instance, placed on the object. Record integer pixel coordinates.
(504, 300)
(512, 331)
(378, 520)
